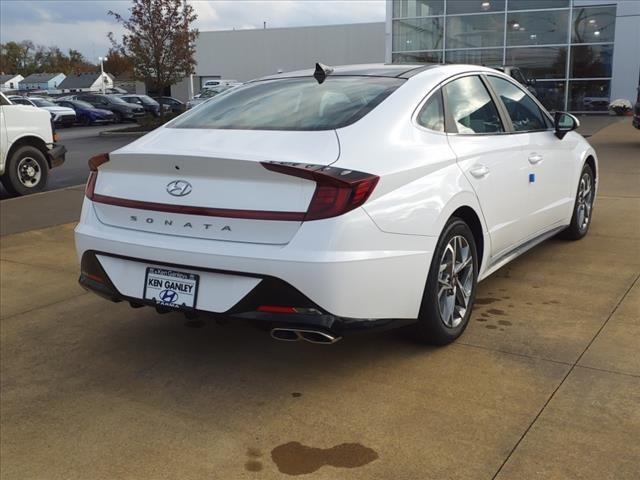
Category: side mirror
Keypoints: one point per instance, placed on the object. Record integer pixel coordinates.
(565, 123)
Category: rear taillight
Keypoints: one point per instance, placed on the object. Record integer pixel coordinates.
(338, 190)
(94, 163)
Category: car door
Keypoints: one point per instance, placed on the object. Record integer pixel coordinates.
(491, 158)
(551, 167)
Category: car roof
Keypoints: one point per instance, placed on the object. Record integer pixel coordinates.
(397, 70)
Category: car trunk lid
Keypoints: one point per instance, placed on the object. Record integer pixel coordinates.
(211, 183)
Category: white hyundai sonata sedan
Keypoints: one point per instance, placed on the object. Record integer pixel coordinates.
(337, 199)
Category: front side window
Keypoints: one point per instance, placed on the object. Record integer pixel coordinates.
(432, 114)
(471, 107)
(292, 104)
(525, 114)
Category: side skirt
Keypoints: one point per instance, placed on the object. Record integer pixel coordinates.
(502, 260)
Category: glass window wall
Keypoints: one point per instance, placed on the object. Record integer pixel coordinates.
(474, 6)
(589, 95)
(418, 34)
(539, 62)
(417, 57)
(536, 4)
(594, 25)
(591, 61)
(538, 28)
(472, 31)
(488, 57)
(417, 8)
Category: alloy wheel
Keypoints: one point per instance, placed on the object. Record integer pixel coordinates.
(455, 281)
(584, 202)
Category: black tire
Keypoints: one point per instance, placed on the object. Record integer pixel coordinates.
(431, 323)
(117, 117)
(86, 121)
(35, 171)
(578, 227)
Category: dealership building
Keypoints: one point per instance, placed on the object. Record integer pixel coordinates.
(582, 53)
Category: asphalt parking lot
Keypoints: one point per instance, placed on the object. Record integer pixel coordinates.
(82, 143)
(544, 384)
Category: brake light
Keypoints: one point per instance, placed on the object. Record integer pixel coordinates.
(94, 163)
(338, 190)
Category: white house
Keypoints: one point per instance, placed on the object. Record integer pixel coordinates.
(10, 82)
(42, 81)
(86, 82)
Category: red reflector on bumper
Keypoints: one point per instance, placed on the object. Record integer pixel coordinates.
(276, 309)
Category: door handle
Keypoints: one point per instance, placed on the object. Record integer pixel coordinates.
(479, 171)
(535, 158)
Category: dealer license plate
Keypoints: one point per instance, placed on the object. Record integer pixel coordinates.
(171, 288)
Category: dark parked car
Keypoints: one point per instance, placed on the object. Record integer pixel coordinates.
(121, 110)
(174, 104)
(87, 114)
(636, 111)
(149, 104)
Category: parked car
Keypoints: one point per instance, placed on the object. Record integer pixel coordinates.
(150, 105)
(219, 82)
(318, 202)
(636, 111)
(62, 116)
(175, 105)
(122, 111)
(28, 147)
(86, 113)
(207, 94)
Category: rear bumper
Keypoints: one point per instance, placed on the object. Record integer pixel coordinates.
(56, 155)
(344, 267)
(270, 291)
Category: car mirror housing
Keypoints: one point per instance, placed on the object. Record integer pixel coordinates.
(564, 123)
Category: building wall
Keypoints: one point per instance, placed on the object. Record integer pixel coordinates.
(581, 52)
(247, 54)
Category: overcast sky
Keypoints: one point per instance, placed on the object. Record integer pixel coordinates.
(84, 24)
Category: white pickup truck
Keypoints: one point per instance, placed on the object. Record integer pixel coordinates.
(28, 148)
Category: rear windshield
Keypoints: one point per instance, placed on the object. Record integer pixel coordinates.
(292, 104)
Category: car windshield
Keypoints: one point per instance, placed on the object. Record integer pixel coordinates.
(147, 100)
(40, 102)
(81, 104)
(116, 100)
(293, 104)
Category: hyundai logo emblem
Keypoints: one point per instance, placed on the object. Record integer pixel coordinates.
(168, 296)
(179, 188)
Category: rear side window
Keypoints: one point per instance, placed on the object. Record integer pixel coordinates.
(522, 109)
(292, 104)
(471, 107)
(432, 114)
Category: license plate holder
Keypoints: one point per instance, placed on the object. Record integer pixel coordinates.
(171, 288)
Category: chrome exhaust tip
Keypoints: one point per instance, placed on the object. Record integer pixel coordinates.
(285, 334)
(309, 335)
(317, 336)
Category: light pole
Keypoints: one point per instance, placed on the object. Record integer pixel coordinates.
(102, 59)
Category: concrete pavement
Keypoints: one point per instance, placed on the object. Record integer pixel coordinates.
(544, 384)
